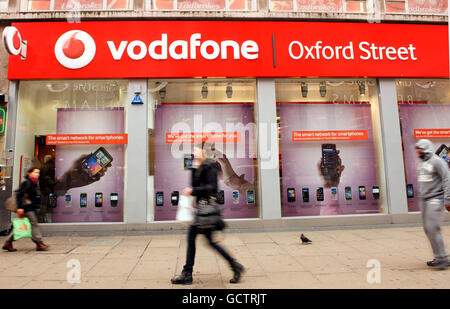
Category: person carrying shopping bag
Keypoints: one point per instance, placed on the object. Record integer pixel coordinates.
(204, 186)
(28, 202)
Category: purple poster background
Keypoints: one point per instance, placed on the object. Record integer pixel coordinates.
(170, 174)
(420, 116)
(300, 159)
(90, 121)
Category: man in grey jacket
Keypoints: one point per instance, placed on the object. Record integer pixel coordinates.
(434, 193)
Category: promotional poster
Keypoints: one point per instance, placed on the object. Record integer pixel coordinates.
(180, 126)
(422, 121)
(89, 165)
(328, 165)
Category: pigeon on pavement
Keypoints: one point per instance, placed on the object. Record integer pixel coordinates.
(305, 240)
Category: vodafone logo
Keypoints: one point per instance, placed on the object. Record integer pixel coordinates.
(12, 40)
(75, 49)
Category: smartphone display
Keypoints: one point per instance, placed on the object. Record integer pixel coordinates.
(376, 192)
(235, 197)
(52, 200)
(68, 200)
(329, 161)
(362, 192)
(334, 194)
(83, 200)
(98, 199)
(443, 152)
(291, 195)
(174, 197)
(348, 193)
(96, 161)
(319, 194)
(187, 161)
(305, 195)
(114, 199)
(221, 197)
(410, 190)
(159, 198)
(250, 196)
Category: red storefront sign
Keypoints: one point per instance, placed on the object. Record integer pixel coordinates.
(146, 49)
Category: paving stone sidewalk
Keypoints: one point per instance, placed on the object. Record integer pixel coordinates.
(274, 260)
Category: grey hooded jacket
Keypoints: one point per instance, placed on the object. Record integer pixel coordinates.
(434, 174)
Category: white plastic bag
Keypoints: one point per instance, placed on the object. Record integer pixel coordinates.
(185, 211)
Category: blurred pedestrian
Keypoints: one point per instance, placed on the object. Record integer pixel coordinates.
(204, 185)
(434, 193)
(28, 202)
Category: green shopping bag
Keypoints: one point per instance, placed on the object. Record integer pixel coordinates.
(21, 228)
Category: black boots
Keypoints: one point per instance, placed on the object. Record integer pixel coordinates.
(238, 270)
(184, 278)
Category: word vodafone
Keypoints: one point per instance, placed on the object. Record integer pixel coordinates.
(368, 51)
(180, 49)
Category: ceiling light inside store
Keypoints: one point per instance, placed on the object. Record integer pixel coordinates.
(304, 89)
(323, 89)
(162, 93)
(362, 88)
(57, 87)
(229, 91)
(204, 91)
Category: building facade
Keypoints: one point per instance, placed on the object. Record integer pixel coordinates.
(310, 109)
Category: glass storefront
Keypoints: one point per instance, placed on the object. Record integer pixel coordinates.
(220, 114)
(331, 156)
(424, 108)
(75, 131)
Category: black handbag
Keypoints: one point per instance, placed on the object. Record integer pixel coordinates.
(208, 216)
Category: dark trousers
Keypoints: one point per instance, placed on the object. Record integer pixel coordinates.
(190, 256)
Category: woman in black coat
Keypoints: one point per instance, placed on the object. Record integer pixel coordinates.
(204, 185)
(27, 198)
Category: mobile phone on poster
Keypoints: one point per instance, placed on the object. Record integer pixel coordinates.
(362, 192)
(83, 200)
(98, 199)
(410, 190)
(291, 195)
(319, 194)
(187, 161)
(52, 200)
(251, 197)
(174, 197)
(376, 192)
(114, 199)
(329, 162)
(68, 200)
(443, 152)
(334, 194)
(235, 197)
(96, 162)
(221, 197)
(305, 195)
(159, 198)
(348, 193)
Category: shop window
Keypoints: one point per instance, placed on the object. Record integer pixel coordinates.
(74, 131)
(435, 7)
(334, 6)
(77, 5)
(424, 108)
(220, 114)
(331, 158)
(202, 5)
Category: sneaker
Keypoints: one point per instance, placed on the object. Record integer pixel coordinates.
(435, 262)
(441, 264)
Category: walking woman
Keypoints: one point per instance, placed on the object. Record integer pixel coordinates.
(27, 204)
(204, 185)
